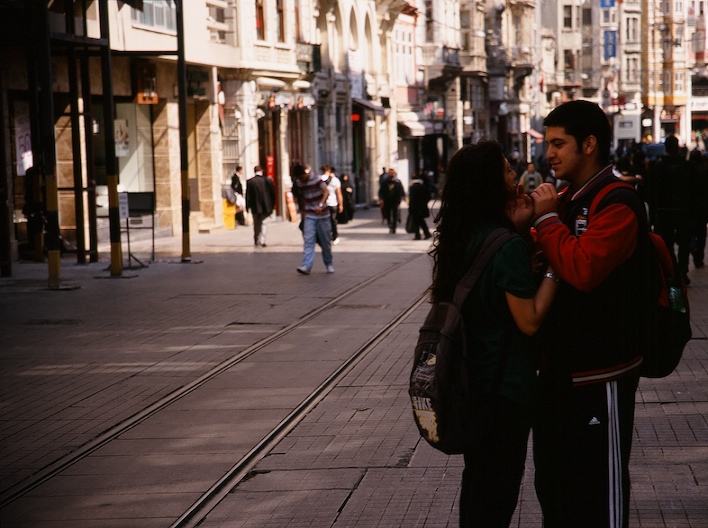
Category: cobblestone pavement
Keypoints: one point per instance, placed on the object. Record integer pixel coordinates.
(79, 361)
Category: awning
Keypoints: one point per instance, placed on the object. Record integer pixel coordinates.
(415, 129)
(535, 134)
(369, 105)
(416, 124)
(269, 82)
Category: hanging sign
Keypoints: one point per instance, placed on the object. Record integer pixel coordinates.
(610, 46)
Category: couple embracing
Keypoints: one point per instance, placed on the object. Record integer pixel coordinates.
(559, 317)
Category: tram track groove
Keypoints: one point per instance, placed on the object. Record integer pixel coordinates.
(49, 471)
(231, 479)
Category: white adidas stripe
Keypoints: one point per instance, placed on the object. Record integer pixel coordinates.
(616, 503)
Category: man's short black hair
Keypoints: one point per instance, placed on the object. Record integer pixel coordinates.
(671, 144)
(581, 119)
(299, 170)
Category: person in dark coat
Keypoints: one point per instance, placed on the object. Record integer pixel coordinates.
(671, 198)
(419, 196)
(348, 198)
(237, 188)
(260, 199)
(699, 218)
(390, 195)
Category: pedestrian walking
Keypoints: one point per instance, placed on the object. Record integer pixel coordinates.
(699, 218)
(347, 213)
(382, 178)
(390, 195)
(240, 199)
(500, 314)
(592, 340)
(671, 198)
(530, 178)
(260, 199)
(334, 198)
(419, 196)
(312, 199)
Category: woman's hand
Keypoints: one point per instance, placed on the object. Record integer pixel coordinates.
(520, 209)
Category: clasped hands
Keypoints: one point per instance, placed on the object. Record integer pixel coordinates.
(522, 208)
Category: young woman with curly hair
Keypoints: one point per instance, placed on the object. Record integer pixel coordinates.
(504, 309)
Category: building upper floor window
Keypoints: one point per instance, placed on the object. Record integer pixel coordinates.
(568, 17)
(429, 30)
(632, 29)
(216, 22)
(160, 14)
(569, 59)
(404, 56)
(260, 20)
(298, 27)
(587, 16)
(280, 20)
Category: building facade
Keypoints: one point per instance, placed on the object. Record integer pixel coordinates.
(111, 99)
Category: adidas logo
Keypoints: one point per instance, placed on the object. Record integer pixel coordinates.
(594, 421)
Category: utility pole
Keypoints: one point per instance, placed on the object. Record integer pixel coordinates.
(109, 132)
(182, 110)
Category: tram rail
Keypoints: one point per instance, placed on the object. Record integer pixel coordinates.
(228, 481)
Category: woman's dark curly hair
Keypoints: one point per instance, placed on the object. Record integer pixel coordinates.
(475, 195)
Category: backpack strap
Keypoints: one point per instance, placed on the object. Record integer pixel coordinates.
(605, 191)
(494, 241)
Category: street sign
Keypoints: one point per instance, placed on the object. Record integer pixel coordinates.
(607, 4)
(123, 210)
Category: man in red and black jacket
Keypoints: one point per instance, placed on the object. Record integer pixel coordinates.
(591, 344)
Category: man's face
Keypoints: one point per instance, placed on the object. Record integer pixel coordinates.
(391, 174)
(563, 154)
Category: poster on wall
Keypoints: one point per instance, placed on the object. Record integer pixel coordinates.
(23, 144)
(122, 138)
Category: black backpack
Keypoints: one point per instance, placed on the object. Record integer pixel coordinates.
(439, 381)
(669, 328)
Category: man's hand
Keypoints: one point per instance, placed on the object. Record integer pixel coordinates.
(545, 198)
